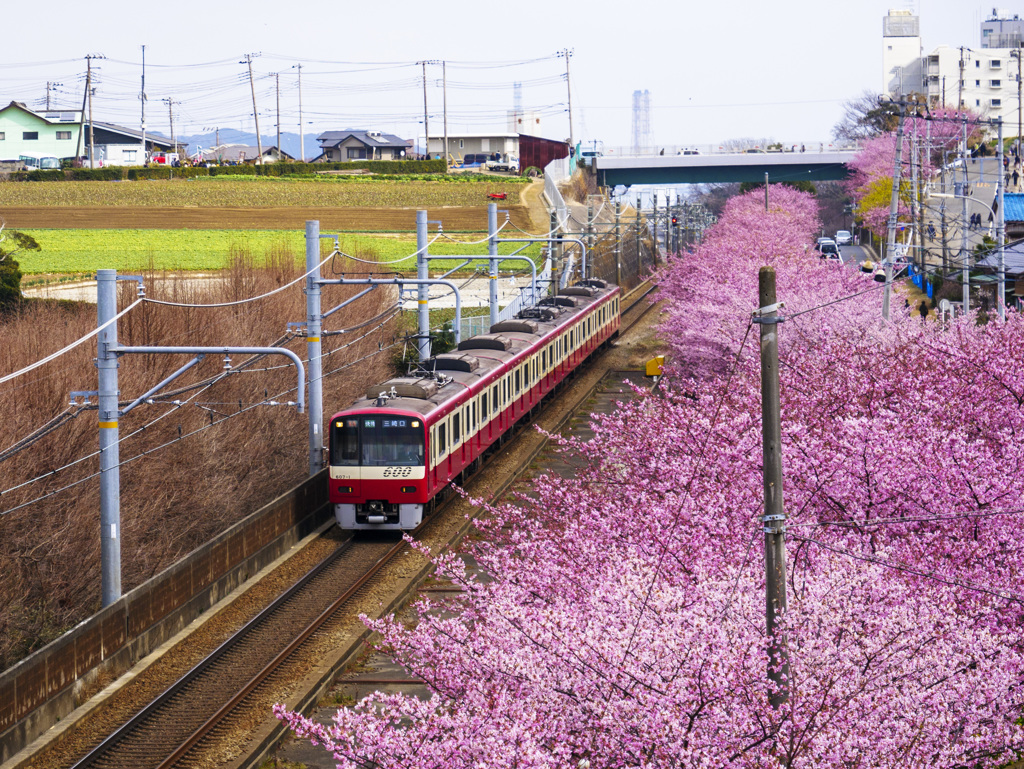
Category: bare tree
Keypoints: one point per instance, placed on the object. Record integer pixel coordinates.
(865, 117)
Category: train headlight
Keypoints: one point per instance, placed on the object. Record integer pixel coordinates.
(344, 489)
(408, 489)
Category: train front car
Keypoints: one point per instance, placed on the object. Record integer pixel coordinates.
(378, 474)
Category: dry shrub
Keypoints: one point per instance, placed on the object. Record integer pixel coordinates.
(177, 490)
(582, 184)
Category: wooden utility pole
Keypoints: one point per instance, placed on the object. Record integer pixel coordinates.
(894, 201)
(170, 117)
(1017, 55)
(774, 518)
(426, 126)
(88, 93)
(302, 133)
(444, 80)
(255, 113)
(568, 88)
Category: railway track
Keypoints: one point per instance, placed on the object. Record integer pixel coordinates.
(181, 725)
(166, 731)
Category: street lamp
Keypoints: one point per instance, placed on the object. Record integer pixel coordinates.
(1001, 238)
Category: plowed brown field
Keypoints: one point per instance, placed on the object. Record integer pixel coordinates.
(456, 218)
(530, 215)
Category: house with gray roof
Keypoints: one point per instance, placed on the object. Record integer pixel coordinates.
(361, 145)
(242, 153)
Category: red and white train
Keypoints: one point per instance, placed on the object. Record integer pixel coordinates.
(393, 452)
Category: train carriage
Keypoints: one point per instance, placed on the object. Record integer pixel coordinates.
(394, 451)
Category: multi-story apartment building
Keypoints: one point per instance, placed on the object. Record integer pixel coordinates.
(984, 80)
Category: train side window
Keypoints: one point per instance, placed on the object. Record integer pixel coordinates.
(442, 439)
(484, 412)
(494, 397)
(472, 416)
(456, 433)
(518, 380)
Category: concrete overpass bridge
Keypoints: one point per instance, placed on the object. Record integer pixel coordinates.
(722, 167)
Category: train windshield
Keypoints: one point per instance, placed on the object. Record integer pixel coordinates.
(376, 440)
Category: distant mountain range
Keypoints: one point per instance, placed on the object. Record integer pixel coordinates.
(289, 141)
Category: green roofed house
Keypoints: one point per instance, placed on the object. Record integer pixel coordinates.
(43, 139)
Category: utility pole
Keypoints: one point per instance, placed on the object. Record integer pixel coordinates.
(81, 121)
(255, 113)
(964, 254)
(654, 221)
(302, 143)
(590, 237)
(618, 243)
(766, 191)
(915, 198)
(444, 90)
(492, 252)
(277, 85)
(1017, 55)
(314, 319)
(50, 85)
(92, 131)
(960, 88)
(170, 116)
(1001, 224)
(88, 93)
(426, 127)
(894, 203)
(774, 518)
(423, 295)
(142, 101)
(942, 213)
(567, 53)
(109, 412)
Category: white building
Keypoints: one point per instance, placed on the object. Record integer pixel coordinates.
(983, 81)
(901, 53)
(987, 85)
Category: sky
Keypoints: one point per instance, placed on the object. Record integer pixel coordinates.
(713, 72)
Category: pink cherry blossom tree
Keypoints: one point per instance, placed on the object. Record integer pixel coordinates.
(622, 618)
(940, 130)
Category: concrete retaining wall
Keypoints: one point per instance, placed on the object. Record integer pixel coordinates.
(46, 686)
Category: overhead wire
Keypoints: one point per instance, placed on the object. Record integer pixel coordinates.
(63, 350)
(920, 572)
(249, 299)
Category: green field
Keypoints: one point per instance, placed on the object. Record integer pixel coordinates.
(260, 192)
(75, 252)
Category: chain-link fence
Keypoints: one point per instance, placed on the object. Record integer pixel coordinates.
(624, 257)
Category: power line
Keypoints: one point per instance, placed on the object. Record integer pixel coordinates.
(71, 346)
(971, 515)
(912, 570)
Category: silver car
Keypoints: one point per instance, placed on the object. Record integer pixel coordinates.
(844, 238)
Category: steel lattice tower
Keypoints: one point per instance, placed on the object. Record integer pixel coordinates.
(641, 121)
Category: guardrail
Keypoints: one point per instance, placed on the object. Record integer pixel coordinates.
(46, 686)
(555, 172)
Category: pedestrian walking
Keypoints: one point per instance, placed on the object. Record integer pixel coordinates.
(931, 230)
(923, 309)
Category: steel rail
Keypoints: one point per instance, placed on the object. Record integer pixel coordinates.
(279, 660)
(634, 297)
(111, 742)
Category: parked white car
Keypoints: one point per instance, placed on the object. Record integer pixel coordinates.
(844, 238)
